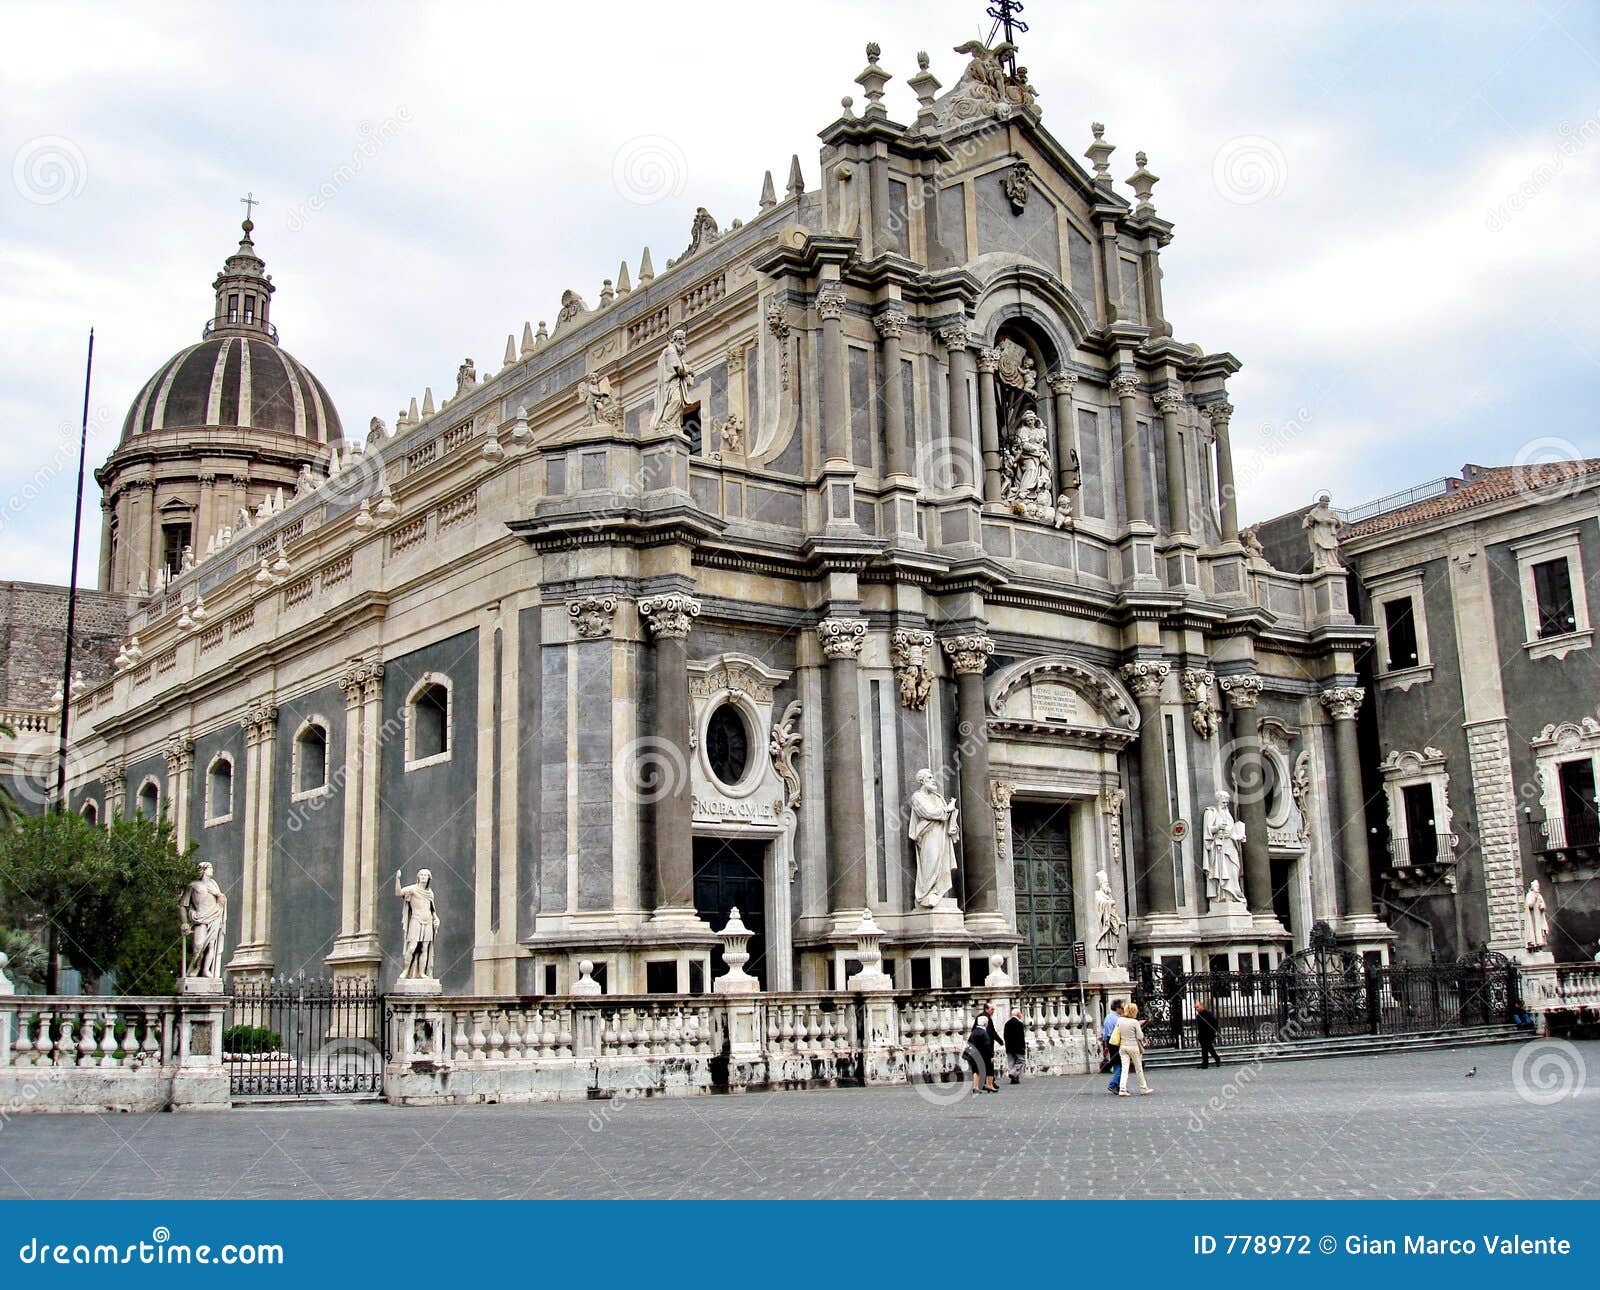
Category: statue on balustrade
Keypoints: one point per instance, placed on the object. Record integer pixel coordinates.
(203, 918)
(935, 825)
(1222, 835)
(1323, 527)
(673, 381)
(419, 923)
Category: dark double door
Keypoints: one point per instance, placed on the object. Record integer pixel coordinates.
(730, 873)
(1041, 864)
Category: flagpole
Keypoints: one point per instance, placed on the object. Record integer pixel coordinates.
(72, 588)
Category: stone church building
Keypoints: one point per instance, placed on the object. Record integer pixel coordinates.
(907, 470)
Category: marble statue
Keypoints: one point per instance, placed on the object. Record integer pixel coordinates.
(910, 651)
(1223, 834)
(1536, 919)
(673, 379)
(601, 401)
(1108, 923)
(1323, 526)
(6, 987)
(466, 377)
(1250, 540)
(935, 824)
(203, 917)
(419, 924)
(1025, 470)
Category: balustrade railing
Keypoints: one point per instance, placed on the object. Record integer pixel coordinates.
(63, 1032)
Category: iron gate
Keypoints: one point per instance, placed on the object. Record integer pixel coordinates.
(1327, 993)
(300, 1037)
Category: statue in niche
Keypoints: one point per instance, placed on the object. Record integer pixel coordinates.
(1025, 470)
(1222, 834)
(203, 919)
(419, 924)
(1016, 378)
(674, 378)
(1322, 525)
(1536, 918)
(1108, 923)
(935, 825)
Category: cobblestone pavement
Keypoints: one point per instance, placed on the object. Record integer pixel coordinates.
(1403, 1125)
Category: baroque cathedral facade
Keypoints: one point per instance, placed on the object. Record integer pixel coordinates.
(879, 553)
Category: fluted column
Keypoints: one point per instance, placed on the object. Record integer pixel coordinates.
(1067, 477)
(842, 639)
(1355, 865)
(1126, 388)
(1145, 678)
(179, 752)
(1169, 404)
(354, 775)
(969, 657)
(958, 345)
(897, 455)
(989, 422)
(1219, 415)
(1243, 692)
(668, 619)
(104, 580)
(835, 374)
(205, 517)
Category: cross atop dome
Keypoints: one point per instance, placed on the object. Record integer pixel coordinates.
(244, 289)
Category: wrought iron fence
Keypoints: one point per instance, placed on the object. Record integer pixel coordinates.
(302, 1037)
(1327, 993)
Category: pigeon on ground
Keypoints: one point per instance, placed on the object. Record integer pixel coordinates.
(1472, 1072)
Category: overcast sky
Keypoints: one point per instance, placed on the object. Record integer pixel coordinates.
(1387, 211)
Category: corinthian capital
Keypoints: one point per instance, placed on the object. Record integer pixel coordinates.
(830, 303)
(669, 617)
(988, 359)
(1145, 677)
(969, 653)
(1169, 403)
(1062, 382)
(955, 336)
(179, 752)
(891, 324)
(1218, 414)
(1343, 701)
(1242, 690)
(1125, 387)
(842, 637)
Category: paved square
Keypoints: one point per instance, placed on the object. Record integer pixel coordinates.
(1402, 1125)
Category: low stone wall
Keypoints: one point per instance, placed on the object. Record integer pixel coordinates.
(464, 1050)
(75, 1053)
(1561, 995)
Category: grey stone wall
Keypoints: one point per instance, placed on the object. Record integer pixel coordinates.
(307, 840)
(222, 844)
(33, 630)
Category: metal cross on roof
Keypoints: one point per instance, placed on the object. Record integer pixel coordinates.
(1007, 22)
(250, 203)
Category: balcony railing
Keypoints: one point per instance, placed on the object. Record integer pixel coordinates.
(1558, 833)
(213, 323)
(1421, 850)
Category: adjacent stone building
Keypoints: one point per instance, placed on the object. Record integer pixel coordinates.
(903, 472)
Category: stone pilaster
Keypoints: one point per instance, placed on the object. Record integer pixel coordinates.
(356, 951)
(841, 640)
(835, 374)
(1244, 692)
(969, 658)
(668, 618)
(179, 753)
(1355, 867)
(1126, 388)
(958, 342)
(254, 952)
(1146, 678)
(989, 423)
(1219, 414)
(1494, 791)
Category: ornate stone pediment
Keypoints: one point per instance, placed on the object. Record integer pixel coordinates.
(1058, 696)
(734, 674)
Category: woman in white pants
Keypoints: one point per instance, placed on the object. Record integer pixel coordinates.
(1130, 1043)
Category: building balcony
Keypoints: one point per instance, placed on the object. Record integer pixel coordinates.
(1568, 846)
(1423, 859)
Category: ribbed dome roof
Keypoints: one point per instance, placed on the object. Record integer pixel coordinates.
(235, 381)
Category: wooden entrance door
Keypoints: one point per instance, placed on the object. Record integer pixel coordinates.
(1041, 860)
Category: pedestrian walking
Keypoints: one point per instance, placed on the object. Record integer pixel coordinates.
(980, 1054)
(1130, 1042)
(1016, 1035)
(1111, 1060)
(1205, 1025)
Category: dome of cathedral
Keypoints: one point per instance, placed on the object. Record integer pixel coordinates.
(246, 381)
(237, 376)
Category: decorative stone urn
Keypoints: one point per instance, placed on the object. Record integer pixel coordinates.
(735, 939)
(869, 941)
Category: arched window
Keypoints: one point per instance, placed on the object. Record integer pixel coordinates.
(428, 722)
(311, 759)
(219, 790)
(91, 811)
(149, 800)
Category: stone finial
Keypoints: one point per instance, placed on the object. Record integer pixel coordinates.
(608, 293)
(624, 283)
(1142, 181)
(735, 938)
(769, 195)
(872, 80)
(869, 953)
(586, 984)
(1099, 154)
(847, 108)
(647, 270)
(925, 85)
(796, 186)
(542, 335)
(527, 339)
(511, 350)
(427, 402)
(412, 415)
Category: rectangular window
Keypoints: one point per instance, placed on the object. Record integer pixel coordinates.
(1400, 633)
(174, 537)
(249, 309)
(1552, 588)
(1422, 832)
(233, 308)
(1580, 813)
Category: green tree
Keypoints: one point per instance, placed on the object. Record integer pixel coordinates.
(106, 897)
(27, 958)
(10, 808)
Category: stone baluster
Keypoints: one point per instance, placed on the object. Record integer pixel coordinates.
(897, 451)
(1219, 414)
(668, 618)
(1146, 677)
(969, 657)
(1170, 403)
(989, 422)
(22, 1051)
(109, 1044)
(1244, 691)
(1355, 867)
(958, 345)
(842, 639)
(1126, 388)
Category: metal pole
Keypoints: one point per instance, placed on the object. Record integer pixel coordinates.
(72, 589)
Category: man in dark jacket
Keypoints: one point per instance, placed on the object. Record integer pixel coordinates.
(1016, 1045)
(980, 1054)
(1205, 1025)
